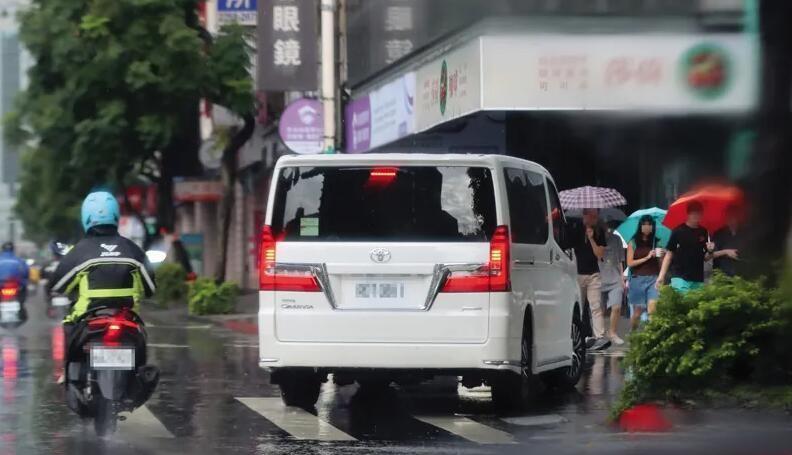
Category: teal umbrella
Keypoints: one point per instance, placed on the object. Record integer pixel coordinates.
(628, 228)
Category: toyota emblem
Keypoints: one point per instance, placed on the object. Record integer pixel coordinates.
(380, 255)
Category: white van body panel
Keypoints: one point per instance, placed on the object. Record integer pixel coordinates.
(337, 328)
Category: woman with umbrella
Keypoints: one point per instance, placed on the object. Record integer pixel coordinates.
(643, 259)
(647, 238)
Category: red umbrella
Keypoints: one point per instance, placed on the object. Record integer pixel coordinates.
(714, 198)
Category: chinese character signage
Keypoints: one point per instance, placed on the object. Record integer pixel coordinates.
(449, 87)
(287, 45)
(242, 12)
(395, 30)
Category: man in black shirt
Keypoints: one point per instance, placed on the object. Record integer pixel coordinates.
(688, 248)
(727, 241)
(589, 243)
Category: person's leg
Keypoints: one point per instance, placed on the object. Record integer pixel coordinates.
(594, 295)
(651, 299)
(614, 303)
(635, 319)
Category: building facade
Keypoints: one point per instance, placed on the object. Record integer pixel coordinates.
(650, 97)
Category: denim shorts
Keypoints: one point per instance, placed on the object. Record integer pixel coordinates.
(642, 290)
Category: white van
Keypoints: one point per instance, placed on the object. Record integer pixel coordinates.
(399, 267)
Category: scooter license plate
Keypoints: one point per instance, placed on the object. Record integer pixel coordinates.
(107, 358)
(10, 307)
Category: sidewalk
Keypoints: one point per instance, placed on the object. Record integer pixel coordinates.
(242, 320)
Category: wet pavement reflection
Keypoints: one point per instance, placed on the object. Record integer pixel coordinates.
(213, 398)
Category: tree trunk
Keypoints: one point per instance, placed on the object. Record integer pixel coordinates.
(228, 173)
(166, 210)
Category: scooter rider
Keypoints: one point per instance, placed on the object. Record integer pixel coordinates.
(104, 267)
(14, 268)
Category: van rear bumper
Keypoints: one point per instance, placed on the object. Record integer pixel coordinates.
(492, 355)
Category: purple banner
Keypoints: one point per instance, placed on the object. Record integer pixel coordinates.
(358, 125)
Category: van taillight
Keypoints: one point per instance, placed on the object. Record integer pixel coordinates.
(492, 276)
(278, 277)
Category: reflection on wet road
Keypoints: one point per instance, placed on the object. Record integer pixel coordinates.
(213, 398)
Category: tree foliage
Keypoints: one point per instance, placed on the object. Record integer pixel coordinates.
(729, 333)
(107, 97)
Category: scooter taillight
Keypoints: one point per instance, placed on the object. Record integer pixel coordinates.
(113, 326)
(10, 290)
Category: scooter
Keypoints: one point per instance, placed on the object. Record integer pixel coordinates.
(12, 305)
(58, 306)
(106, 371)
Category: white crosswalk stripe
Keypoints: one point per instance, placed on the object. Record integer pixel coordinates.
(297, 422)
(529, 421)
(142, 423)
(469, 429)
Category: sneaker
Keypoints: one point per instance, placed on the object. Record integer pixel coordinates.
(601, 344)
(61, 379)
(590, 342)
(616, 340)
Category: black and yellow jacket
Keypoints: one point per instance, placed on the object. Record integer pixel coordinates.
(103, 268)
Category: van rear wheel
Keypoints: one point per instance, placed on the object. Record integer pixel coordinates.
(568, 377)
(300, 389)
(511, 391)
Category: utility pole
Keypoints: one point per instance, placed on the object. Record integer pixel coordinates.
(328, 75)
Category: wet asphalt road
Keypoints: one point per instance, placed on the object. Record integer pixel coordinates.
(213, 398)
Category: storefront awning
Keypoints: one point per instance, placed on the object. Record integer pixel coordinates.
(631, 73)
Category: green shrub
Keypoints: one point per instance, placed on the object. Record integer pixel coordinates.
(171, 284)
(207, 297)
(727, 333)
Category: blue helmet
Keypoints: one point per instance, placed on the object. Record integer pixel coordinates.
(100, 208)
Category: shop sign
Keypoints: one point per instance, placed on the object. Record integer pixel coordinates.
(287, 45)
(383, 115)
(242, 12)
(656, 73)
(197, 190)
(301, 126)
(449, 87)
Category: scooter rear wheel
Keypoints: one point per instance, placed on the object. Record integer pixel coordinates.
(106, 417)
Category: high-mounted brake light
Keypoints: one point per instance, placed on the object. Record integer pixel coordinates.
(382, 176)
(492, 276)
(279, 277)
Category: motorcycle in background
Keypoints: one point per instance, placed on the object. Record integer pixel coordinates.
(58, 306)
(12, 304)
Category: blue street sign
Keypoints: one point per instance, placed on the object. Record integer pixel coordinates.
(236, 5)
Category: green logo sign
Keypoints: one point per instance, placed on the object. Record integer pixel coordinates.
(443, 87)
(706, 70)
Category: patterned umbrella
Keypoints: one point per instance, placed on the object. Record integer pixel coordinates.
(591, 197)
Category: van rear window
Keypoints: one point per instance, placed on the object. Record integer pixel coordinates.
(411, 204)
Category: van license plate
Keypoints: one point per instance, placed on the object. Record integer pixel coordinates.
(379, 290)
(104, 358)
